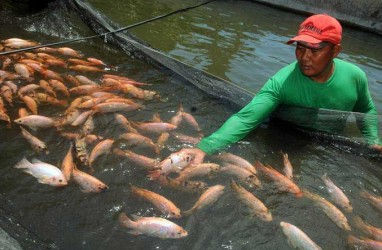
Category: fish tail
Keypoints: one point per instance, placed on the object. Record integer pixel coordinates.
(125, 221)
(188, 212)
(234, 185)
(24, 163)
(325, 177)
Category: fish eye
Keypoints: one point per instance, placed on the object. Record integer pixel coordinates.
(59, 180)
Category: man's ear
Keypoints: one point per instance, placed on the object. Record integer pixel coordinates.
(336, 50)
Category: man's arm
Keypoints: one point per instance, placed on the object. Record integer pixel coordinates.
(241, 123)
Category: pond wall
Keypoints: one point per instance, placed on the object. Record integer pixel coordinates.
(364, 14)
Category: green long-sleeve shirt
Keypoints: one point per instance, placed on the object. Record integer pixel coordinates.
(345, 90)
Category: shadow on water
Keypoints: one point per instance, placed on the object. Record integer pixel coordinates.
(66, 218)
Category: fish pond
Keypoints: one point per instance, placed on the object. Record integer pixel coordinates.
(242, 42)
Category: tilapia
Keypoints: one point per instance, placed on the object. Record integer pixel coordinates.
(87, 182)
(336, 194)
(297, 238)
(256, 206)
(371, 231)
(164, 205)
(152, 226)
(210, 196)
(36, 144)
(282, 182)
(103, 147)
(374, 200)
(329, 209)
(236, 160)
(364, 243)
(288, 169)
(203, 169)
(243, 174)
(68, 165)
(173, 163)
(35, 121)
(44, 172)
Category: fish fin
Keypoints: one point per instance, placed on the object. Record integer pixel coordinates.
(44, 179)
(154, 174)
(134, 232)
(135, 217)
(34, 160)
(24, 163)
(125, 221)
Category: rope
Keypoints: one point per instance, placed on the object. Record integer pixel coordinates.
(110, 32)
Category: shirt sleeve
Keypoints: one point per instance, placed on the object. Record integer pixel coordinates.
(367, 123)
(247, 119)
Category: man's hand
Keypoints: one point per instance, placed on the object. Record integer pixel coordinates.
(377, 147)
(197, 153)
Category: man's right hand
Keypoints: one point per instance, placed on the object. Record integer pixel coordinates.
(196, 152)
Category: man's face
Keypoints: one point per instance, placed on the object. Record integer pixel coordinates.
(316, 61)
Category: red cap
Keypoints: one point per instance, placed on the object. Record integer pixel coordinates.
(319, 28)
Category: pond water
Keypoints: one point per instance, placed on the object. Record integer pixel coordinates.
(240, 41)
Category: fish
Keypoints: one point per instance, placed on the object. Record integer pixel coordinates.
(24, 71)
(153, 127)
(184, 186)
(85, 81)
(139, 140)
(48, 89)
(236, 160)
(371, 231)
(297, 238)
(31, 104)
(337, 194)
(22, 112)
(152, 226)
(67, 164)
(364, 243)
(282, 182)
(173, 163)
(7, 94)
(164, 205)
(288, 169)
(37, 145)
(85, 68)
(81, 151)
(256, 206)
(88, 126)
(202, 169)
(44, 172)
(66, 51)
(329, 209)
(208, 197)
(191, 121)
(374, 200)
(87, 182)
(36, 121)
(185, 138)
(161, 141)
(124, 123)
(85, 89)
(141, 160)
(18, 43)
(45, 98)
(243, 174)
(80, 119)
(59, 86)
(103, 147)
(111, 107)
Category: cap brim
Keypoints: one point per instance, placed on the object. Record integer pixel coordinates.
(304, 38)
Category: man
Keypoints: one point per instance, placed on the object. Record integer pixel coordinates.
(316, 80)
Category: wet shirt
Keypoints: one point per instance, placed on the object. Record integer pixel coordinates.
(345, 90)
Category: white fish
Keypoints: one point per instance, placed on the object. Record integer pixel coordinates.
(44, 172)
(152, 226)
(297, 238)
(336, 194)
